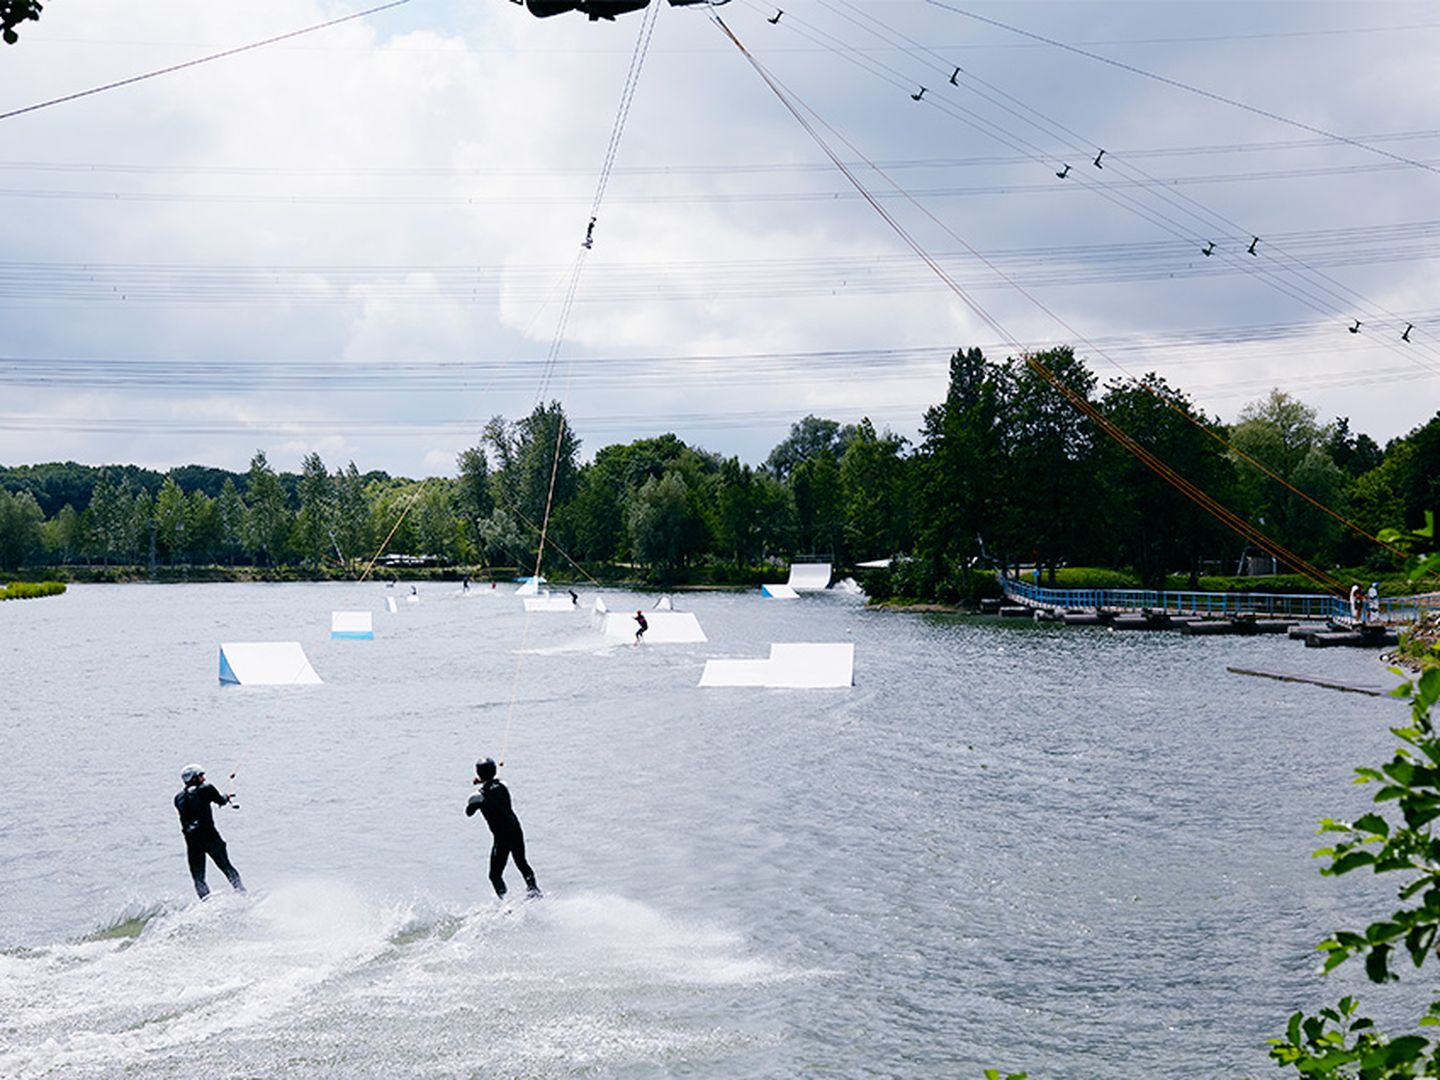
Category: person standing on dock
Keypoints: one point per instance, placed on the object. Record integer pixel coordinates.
(1354, 603)
(198, 824)
(1372, 602)
(508, 841)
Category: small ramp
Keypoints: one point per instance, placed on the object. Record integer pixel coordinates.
(530, 586)
(790, 666)
(266, 663)
(809, 577)
(664, 604)
(391, 606)
(665, 627)
(779, 592)
(355, 625)
(549, 603)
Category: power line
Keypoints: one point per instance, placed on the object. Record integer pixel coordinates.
(1368, 147)
(200, 60)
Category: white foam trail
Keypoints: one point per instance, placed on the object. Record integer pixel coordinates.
(317, 969)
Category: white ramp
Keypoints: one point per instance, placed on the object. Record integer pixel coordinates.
(664, 604)
(791, 666)
(549, 603)
(391, 606)
(531, 587)
(809, 576)
(779, 592)
(735, 673)
(812, 666)
(359, 625)
(265, 663)
(666, 627)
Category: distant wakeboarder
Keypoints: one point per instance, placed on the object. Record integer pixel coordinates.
(641, 627)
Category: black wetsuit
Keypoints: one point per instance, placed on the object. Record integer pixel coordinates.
(643, 626)
(201, 836)
(493, 800)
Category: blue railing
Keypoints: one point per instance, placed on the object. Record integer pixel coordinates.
(1292, 605)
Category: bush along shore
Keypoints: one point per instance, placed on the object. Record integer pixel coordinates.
(29, 590)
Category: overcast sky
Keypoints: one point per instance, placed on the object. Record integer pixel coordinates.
(359, 241)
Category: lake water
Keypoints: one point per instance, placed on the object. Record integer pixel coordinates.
(1068, 850)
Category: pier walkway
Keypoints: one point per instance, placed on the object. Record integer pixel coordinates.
(1394, 610)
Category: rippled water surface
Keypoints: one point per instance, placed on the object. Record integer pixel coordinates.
(1072, 851)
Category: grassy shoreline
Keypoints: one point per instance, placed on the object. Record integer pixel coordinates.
(31, 590)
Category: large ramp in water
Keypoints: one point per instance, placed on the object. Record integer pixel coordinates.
(665, 627)
(790, 666)
(266, 663)
(809, 577)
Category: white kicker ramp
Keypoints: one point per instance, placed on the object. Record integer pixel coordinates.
(809, 576)
(664, 604)
(359, 625)
(265, 663)
(779, 592)
(531, 587)
(791, 666)
(549, 603)
(665, 628)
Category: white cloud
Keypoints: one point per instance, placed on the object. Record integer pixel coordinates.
(322, 201)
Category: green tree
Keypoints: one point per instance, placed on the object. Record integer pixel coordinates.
(808, 438)
(1285, 436)
(204, 538)
(63, 536)
(268, 523)
(1052, 463)
(231, 522)
(1155, 527)
(873, 478)
(437, 528)
(819, 505)
(960, 470)
(172, 520)
(664, 528)
(352, 515)
(314, 535)
(537, 464)
(473, 497)
(20, 529)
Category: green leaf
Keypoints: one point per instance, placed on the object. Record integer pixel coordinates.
(1293, 1029)
(1377, 964)
(1373, 824)
(1351, 860)
(1405, 1049)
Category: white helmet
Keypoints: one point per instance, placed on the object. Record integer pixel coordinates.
(190, 773)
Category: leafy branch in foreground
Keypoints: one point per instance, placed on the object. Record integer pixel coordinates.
(1336, 1042)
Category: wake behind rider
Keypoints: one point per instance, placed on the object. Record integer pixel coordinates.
(493, 801)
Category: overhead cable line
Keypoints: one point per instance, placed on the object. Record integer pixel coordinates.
(1164, 399)
(1312, 294)
(1105, 189)
(201, 60)
(789, 100)
(1212, 95)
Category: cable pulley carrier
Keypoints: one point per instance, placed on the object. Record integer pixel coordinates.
(600, 9)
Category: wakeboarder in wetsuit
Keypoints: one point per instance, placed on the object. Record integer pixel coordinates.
(493, 800)
(642, 626)
(198, 824)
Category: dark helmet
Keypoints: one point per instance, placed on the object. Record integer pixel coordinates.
(190, 773)
(485, 768)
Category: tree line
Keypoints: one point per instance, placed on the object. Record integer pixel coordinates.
(1005, 471)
